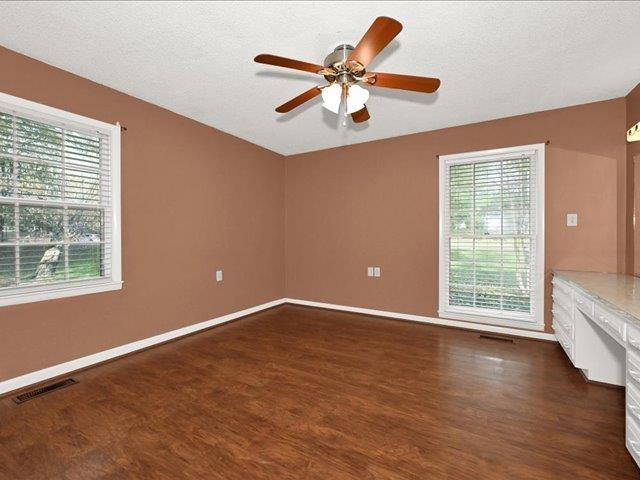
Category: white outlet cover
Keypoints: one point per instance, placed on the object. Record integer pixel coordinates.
(376, 271)
(572, 219)
(369, 271)
(218, 275)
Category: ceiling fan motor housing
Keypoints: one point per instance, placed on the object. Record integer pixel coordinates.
(337, 60)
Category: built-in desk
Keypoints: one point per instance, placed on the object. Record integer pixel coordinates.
(596, 318)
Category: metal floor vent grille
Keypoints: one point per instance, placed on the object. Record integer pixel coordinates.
(37, 392)
(497, 337)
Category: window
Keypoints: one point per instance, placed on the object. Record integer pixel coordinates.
(59, 203)
(492, 236)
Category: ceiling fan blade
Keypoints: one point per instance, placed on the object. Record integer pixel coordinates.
(361, 115)
(404, 82)
(379, 35)
(288, 63)
(299, 100)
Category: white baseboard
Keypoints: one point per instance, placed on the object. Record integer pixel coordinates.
(432, 320)
(84, 362)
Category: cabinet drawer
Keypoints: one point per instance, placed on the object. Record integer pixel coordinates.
(612, 323)
(561, 286)
(633, 402)
(633, 338)
(633, 438)
(633, 368)
(583, 303)
(567, 344)
(563, 300)
(562, 318)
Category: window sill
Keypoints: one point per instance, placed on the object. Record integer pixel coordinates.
(487, 320)
(51, 292)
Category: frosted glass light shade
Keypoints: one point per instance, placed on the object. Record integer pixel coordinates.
(356, 98)
(331, 97)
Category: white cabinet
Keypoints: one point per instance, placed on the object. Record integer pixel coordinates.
(604, 343)
(592, 334)
(563, 322)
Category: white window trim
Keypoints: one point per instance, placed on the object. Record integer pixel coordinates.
(38, 293)
(507, 320)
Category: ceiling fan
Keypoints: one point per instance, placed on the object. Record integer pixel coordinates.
(345, 69)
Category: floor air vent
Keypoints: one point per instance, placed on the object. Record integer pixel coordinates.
(497, 337)
(38, 392)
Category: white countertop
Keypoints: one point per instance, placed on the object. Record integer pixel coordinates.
(620, 292)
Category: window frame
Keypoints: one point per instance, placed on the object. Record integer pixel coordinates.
(473, 314)
(70, 288)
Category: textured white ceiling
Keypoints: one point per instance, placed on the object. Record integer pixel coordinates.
(495, 59)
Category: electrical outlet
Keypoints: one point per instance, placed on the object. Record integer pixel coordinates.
(376, 271)
(218, 275)
(572, 219)
(369, 271)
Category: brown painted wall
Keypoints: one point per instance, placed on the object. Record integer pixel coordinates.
(633, 162)
(194, 199)
(377, 204)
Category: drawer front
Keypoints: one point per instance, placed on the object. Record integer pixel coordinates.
(562, 297)
(563, 287)
(633, 338)
(561, 317)
(633, 402)
(583, 303)
(565, 343)
(633, 368)
(633, 438)
(612, 323)
(565, 302)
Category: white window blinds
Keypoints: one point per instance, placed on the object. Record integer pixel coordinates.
(56, 202)
(491, 247)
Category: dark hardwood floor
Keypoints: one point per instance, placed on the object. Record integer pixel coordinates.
(298, 393)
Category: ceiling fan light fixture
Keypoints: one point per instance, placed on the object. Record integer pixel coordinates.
(331, 97)
(356, 98)
(345, 67)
